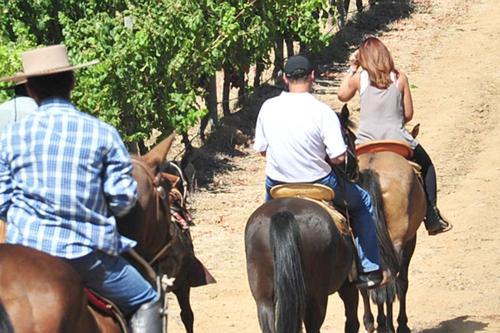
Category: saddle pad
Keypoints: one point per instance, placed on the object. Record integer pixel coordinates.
(337, 217)
(303, 190)
(106, 307)
(398, 147)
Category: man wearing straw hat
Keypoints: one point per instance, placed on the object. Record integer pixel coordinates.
(64, 175)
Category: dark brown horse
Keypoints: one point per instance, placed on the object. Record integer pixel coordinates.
(400, 207)
(42, 293)
(296, 257)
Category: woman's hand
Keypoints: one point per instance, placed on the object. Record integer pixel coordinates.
(354, 61)
(350, 84)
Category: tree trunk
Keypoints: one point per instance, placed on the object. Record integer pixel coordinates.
(225, 90)
(289, 47)
(278, 56)
(241, 87)
(259, 68)
(211, 103)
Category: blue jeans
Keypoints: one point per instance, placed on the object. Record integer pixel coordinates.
(358, 203)
(114, 278)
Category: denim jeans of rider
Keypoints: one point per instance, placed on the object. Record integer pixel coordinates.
(114, 278)
(359, 205)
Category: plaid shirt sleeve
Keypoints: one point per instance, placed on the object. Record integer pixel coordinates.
(120, 187)
(5, 183)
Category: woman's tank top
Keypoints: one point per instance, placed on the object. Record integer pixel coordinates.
(382, 114)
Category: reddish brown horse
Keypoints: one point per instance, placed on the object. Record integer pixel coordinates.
(400, 207)
(41, 293)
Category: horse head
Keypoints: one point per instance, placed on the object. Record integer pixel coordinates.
(156, 156)
(350, 167)
(148, 222)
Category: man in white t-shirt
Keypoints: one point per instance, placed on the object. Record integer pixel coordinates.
(300, 137)
(17, 107)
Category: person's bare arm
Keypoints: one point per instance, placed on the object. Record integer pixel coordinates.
(338, 160)
(350, 83)
(407, 100)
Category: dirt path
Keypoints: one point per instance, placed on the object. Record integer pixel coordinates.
(450, 50)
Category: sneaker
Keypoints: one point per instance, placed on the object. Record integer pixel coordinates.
(369, 280)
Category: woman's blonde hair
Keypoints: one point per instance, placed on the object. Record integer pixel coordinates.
(376, 59)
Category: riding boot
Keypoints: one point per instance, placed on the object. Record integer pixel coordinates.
(434, 222)
(148, 318)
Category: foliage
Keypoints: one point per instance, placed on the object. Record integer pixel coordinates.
(155, 56)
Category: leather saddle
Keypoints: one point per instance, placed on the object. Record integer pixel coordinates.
(318, 193)
(104, 306)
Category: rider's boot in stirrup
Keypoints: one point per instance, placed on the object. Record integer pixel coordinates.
(148, 318)
(434, 222)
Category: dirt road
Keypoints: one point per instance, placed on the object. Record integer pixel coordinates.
(450, 50)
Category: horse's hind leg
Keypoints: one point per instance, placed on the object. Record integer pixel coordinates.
(315, 313)
(350, 297)
(368, 320)
(187, 316)
(403, 285)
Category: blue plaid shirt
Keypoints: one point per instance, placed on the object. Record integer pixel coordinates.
(64, 175)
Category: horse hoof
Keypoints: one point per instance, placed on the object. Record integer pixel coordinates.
(403, 329)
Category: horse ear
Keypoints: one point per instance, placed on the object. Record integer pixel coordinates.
(158, 154)
(345, 112)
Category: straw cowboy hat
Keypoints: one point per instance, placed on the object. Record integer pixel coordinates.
(44, 61)
(18, 80)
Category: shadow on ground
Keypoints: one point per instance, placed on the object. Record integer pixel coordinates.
(233, 135)
(462, 324)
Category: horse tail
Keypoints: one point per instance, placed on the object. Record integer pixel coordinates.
(5, 324)
(388, 256)
(289, 286)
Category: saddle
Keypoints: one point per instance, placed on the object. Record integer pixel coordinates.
(397, 147)
(104, 306)
(318, 193)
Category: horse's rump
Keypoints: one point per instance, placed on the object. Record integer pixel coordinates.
(403, 197)
(399, 207)
(42, 291)
(296, 257)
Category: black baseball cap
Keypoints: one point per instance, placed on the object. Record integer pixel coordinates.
(298, 66)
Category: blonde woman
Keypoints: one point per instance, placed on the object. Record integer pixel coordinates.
(386, 106)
